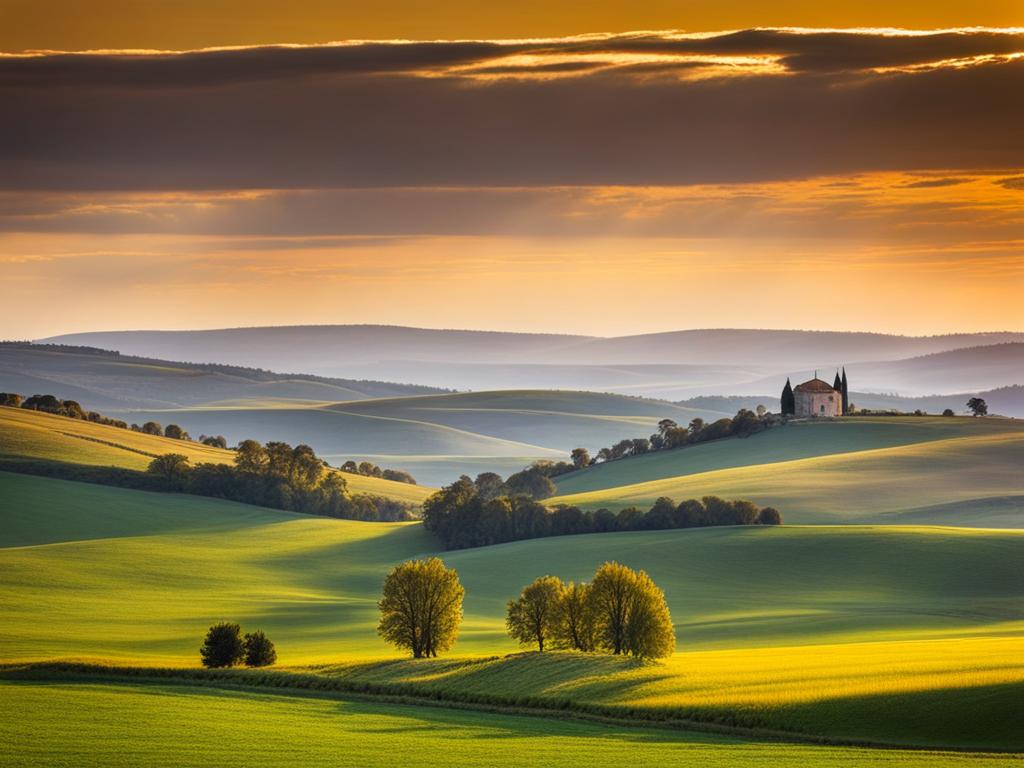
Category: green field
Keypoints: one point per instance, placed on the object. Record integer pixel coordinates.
(102, 724)
(833, 631)
(942, 471)
(437, 437)
(34, 435)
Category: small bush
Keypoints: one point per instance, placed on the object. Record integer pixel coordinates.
(223, 646)
(259, 650)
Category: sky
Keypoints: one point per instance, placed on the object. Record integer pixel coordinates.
(602, 168)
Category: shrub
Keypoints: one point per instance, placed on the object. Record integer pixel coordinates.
(259, 650)
(769, 516)
(223, 646)
(948, 412)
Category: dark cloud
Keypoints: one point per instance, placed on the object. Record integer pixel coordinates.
(930, 183)
(368, 123)
(1015, 182)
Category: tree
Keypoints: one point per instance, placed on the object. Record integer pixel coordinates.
(629, 613)
(259, 650)
(665, 425)
(745, 423)
(662, 515)
(948, 412)
(788, 400)
(574, 628)
(175, 432)
(580, 458)
(769, 516)
(977, 406)
(173, 468)
(223, 646)
(534, 616)
(217, 442)
(398, 476)
(250, 456)
(531, 482)
(421, 608)
(10, 399)
(760, 411)
(846, 393)
(489, 485)
(152, 428)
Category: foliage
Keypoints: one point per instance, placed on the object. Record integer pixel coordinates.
(468, 514)
(223, 646)
(629, 613)
(421, 608)
(788, 400)
(534, 616)
(977, 406)
(369, 469)
(172, 468)
(259, 650)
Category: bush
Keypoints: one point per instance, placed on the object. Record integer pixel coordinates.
(948, 412)
(223, 646)
(259, 650)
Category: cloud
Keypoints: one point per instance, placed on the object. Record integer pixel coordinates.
(1016, 182)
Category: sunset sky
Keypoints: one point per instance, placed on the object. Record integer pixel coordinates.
(551, 168)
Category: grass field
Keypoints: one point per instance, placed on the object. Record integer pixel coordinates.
(90, 724)
(481, 430)
(957, 471)
(33, 435)
(837, 631)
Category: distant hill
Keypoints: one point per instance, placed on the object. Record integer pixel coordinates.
(103, 379)
(671, 365)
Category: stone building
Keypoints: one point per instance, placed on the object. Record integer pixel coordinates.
(816, 398)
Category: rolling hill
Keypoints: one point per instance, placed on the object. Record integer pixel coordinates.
(28, 435)
(673, 365)
(836, 631)
(438, 437)
(102, 379)
(944, 471)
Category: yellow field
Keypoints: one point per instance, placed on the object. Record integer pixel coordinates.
(35, 435)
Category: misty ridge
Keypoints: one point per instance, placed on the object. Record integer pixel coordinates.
(674, 365)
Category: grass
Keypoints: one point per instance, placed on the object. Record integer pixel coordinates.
(843, 479)
(862, 632)
(93, 724)
(34, 435)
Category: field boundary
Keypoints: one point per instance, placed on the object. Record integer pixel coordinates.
(311, 684)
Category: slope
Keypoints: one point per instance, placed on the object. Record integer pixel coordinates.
(27, 435)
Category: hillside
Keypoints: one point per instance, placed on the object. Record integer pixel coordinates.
(672, 365)
(103, 380)
(874, 621)
(438, 437)
(27, 435)
(946, 471)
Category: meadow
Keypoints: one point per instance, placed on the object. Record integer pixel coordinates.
(143, 724)
(834, 631)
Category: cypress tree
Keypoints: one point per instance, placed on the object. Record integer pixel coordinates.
(788, 400)
(846, 394)
(838, 384)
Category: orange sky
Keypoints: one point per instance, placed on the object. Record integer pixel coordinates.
(606, 185)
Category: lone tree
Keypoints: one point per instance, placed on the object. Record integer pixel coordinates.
(788, 400)
(534, 616)
(223, 646)
(259, 650)
(629, 613)
(977, 406)
(421, 608)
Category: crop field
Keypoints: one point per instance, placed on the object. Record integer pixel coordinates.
(33, 435)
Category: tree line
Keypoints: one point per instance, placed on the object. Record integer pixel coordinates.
(469, 513)
(51, 404)
(369, 469)
(620, 611)
(279, 476)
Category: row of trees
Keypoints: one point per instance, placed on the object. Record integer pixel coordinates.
(369, 469)
(621, 611)
(51, 404)
(225, 646)
(467, 514)
(276, 475)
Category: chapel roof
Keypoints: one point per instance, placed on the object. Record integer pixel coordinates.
(814, 385)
